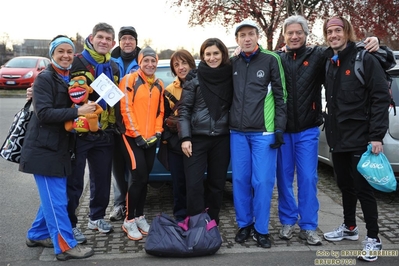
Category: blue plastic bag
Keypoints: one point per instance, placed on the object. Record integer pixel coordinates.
(377, 170)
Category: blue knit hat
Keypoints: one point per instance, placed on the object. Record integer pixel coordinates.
(55, 43)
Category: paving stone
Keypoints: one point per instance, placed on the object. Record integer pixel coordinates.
(161, 200)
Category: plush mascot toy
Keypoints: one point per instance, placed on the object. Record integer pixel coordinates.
(79, 93)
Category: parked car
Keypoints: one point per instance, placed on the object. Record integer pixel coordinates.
(159, 174)
(391, 139)
(164, 72)
(21, 71)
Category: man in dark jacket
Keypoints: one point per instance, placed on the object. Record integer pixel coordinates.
(356, 115)
(257, 122)
(95, 148)
(304, 73)
(303, 68)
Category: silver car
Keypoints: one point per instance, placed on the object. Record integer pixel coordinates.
(391, 139)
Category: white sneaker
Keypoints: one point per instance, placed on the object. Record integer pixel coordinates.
(118, 213)
(310, 236)
(342, 232)
(130, 228)
(370, 247)
(79, 236)
(142, 224)
(286, 231)
(101, 225)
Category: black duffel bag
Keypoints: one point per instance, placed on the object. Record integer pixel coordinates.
(197, 235)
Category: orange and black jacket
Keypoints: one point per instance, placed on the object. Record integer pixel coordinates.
(142, 107)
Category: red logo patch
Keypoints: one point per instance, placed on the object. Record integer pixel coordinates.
(347, 72)
(305, 63)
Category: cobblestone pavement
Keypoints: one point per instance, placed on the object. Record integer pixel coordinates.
(160, 200)
(388, 205)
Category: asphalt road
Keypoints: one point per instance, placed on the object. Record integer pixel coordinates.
(19, 202)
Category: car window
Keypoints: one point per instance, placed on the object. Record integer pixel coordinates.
(42, 64)
(165, 74)
(22, 63)
(395, 88)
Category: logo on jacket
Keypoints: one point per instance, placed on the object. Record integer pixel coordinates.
(305, 63)
(260, 74)
(347, 72)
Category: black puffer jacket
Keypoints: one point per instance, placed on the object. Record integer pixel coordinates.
(194, 117)
(47, 144)
(304, 74)
(356, 114)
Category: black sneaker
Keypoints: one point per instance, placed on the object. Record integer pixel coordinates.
(262, 240)
(244, 233)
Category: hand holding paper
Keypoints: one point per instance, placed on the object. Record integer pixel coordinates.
(107, 90)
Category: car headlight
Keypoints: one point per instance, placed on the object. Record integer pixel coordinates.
(28, 75)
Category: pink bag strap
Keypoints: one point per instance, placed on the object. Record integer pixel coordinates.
(211, 225)
(184, 223)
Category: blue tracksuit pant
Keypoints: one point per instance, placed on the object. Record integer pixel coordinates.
(52, 217)
(254, 172)
(298, 153)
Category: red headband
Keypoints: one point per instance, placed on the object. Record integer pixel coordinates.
(335, 22)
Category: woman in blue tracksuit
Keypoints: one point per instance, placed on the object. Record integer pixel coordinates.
(46, 153)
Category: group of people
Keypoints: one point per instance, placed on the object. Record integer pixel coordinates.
(260, 109)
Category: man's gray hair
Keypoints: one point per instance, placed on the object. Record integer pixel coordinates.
(102, 26)
(296, 19)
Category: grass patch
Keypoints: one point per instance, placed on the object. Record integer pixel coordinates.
(12, 93)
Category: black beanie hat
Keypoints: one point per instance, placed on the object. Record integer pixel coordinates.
(127, 30)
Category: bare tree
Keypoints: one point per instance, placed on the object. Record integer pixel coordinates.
(380, 17)
(269, 15)
(372, 17)
(79, 43)
(147, 42)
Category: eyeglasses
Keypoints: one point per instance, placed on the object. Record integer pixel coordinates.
(79, 81)
(297, 33)
(125, 39)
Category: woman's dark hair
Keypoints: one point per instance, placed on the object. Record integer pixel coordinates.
(183, 55)
(220, 45)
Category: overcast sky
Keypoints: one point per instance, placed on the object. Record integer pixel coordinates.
(152, 19)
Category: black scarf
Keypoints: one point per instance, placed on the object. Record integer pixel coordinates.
(127, 58)
(216, 86)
